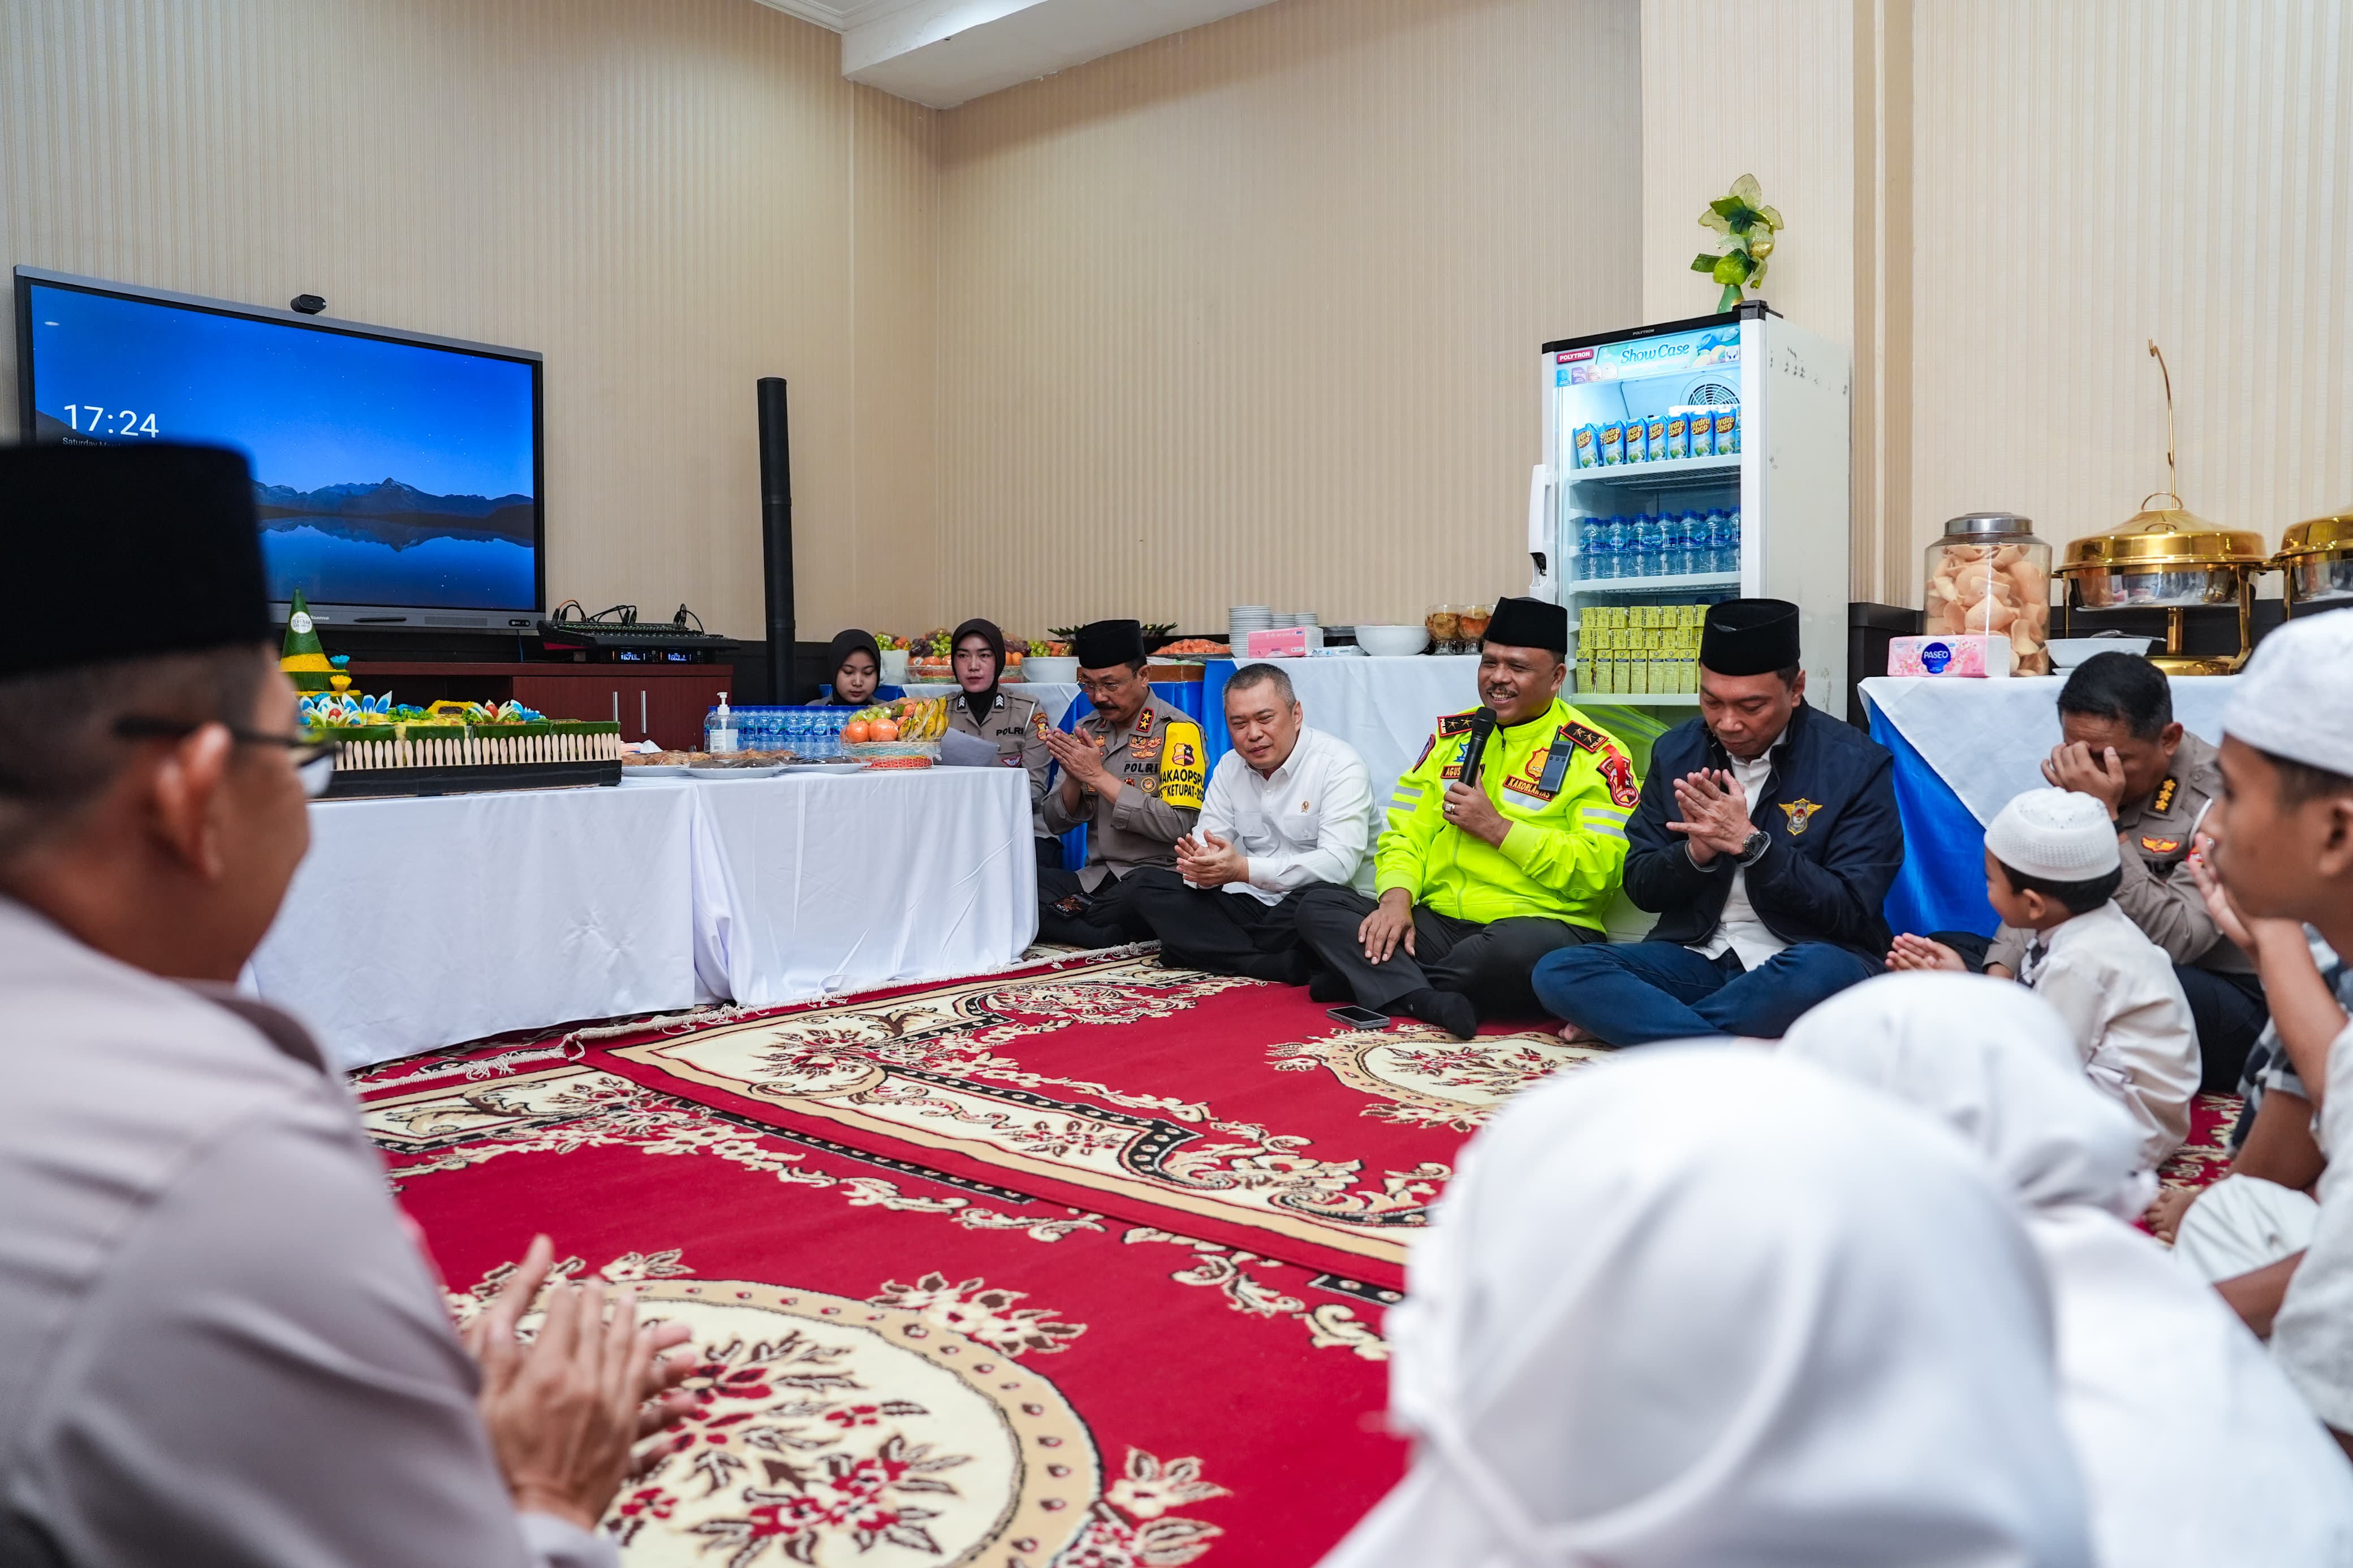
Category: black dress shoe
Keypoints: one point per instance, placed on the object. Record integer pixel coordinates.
(1449, 1010)
(1328, 985)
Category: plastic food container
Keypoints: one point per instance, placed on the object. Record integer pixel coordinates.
(1990, 576)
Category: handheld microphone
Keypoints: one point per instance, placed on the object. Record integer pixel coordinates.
(1475, 751)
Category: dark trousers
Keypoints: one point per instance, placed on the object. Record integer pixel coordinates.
(1223, 933)
(1489, 964)
(2227, 1010)
(1630, 994)
(1105, 918)
(1050, 853)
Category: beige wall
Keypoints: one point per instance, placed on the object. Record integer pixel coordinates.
(668, 201)
(1252, 312)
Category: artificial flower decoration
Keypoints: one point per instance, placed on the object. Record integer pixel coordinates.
(1746, 226)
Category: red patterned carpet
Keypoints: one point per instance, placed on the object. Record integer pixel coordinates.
(1078, 1265)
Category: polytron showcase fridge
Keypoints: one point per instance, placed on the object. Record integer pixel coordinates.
(1685, 463)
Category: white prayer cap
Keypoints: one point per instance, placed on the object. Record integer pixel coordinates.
(2061, 835)
(2296, 698)
(1700, 1304)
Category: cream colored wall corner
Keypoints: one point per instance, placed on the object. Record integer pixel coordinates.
(1253, 312)
(669, 202)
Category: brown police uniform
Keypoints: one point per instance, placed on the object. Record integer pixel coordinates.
(2226, 1000)
(1160, 763)
(1016, 726)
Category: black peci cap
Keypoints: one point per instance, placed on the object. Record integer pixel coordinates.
(1749, 636)
(127, 552)
(1528, 623)
(1102, 644)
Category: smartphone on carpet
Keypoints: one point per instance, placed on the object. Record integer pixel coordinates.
(1358, 1018)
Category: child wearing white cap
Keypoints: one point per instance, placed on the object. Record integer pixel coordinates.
(2052, 869)
(2283, 847)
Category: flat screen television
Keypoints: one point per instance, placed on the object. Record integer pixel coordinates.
(398, 475)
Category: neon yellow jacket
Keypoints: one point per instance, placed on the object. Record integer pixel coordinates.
(1565, 785)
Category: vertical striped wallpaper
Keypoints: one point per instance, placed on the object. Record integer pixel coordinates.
(668, 201)
(2091, 175)
(1252, 312)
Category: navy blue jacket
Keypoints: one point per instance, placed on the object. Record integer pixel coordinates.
(1829, 805)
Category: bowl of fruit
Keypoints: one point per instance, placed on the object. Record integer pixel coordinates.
(904, 733)
(894, 659)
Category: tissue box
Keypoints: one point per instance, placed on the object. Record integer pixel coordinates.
(1970, 654)
(1287, 642)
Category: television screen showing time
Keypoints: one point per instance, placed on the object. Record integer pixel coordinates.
(394, 473)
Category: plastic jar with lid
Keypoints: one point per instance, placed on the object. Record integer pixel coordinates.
(1989, 575)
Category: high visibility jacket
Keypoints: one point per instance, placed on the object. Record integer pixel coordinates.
(1564, 784)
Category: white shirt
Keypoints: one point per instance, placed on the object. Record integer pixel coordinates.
(2117, 992)
(1739, 929)
(2312, 1339)
(1311, 820)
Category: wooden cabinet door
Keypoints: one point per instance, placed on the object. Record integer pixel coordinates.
(598, 693)
(679, 704)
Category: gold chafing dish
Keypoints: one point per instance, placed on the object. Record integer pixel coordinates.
(2318, 558)
(2170, 559)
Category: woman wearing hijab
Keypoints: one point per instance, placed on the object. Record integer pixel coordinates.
(1009, 721)
(1700, 1307)
(857, 667)
(2193, 1447)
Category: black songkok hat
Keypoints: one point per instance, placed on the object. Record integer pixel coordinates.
(1528, 623)
(1102, 644)
(140, 550)
(1751, 637)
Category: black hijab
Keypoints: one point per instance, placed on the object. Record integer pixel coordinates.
(979, 702)
(837, 652)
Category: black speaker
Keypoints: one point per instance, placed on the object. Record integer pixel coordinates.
(776, 538)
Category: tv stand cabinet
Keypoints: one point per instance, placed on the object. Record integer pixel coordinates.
(664, 703)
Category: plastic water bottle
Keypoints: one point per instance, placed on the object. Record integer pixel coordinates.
(1724, 536)
(1593, 548)
(1672, 557)
(1650, 546)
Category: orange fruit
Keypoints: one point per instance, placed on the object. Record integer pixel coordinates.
(855, 733)
(883, 730)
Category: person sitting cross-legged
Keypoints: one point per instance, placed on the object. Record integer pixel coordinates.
(1478, 881)
(1765, 842)
(1289, 808)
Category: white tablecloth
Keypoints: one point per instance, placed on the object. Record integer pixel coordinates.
(415, 923)
(418, 924)
(1054, 696)
(807, 884)
(1988, 739)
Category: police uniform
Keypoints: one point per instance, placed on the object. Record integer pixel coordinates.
(1016, 726)
(2226, 999)
(1482, 915)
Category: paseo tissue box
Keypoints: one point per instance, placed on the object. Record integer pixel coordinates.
(1286, 642)
(1954, 654)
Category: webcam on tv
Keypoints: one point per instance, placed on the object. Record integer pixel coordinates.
(307, 304)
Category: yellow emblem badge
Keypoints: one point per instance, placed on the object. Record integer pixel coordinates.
(2164, 801)
(1800, 813)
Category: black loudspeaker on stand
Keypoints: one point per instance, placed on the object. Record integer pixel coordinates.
(776, 538)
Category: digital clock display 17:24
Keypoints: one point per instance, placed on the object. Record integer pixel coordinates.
(108, 422)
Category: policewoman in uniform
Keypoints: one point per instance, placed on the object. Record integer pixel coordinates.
(1476, 884)
(1009, 721)
(1133, 774)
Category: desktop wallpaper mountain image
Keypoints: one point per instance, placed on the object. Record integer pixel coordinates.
(396, 515)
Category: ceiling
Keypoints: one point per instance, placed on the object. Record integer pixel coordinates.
(946, 52)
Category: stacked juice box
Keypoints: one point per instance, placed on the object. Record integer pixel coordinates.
(1639, 650)
(1658, 437)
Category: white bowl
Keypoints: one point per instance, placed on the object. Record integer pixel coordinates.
(1392, 642)
(2069, 652)
(1050, 668)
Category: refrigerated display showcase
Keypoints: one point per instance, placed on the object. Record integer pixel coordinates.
(1635, 541)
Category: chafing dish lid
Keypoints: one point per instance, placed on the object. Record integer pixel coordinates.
(2163, 539)
(2319, 535)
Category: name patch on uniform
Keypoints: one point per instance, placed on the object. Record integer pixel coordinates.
(2164, 800)
(1617, 773)
(2161, 846)
(1800, 813)
(1532, 788)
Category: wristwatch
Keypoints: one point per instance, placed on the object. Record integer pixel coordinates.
(1753, 848)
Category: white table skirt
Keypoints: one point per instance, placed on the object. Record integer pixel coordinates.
(415, 923)
(418, 924)
(1988, 739)
(806, 884)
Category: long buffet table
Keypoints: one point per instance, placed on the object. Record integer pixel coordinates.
(416, 923)
(1963, 748)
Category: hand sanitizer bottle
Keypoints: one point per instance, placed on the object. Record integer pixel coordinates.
(719, 730)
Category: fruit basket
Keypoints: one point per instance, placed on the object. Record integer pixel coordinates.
(885, 750)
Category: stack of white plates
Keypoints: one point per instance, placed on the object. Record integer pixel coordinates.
(1243, 619)
(1288, 618)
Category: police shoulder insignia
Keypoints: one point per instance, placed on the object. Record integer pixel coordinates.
(1426, 747)
(2161, 846)
(2164, 798)
(1800, 813)
(1454, 724)
(1617, 772)
(1586, 740)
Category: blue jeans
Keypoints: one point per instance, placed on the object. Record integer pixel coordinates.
(1631, 993)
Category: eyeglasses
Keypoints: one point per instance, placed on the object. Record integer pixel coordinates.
(314, 761)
